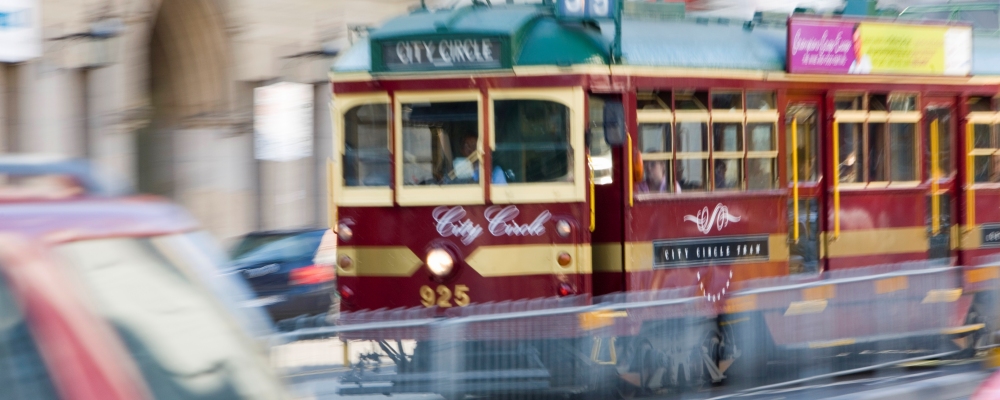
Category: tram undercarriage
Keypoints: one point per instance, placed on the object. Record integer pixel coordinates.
(666, 357)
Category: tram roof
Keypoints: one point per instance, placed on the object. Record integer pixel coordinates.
(537, 38)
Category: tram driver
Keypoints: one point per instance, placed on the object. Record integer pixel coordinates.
(466, 166)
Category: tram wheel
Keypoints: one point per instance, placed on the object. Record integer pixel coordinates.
(978, 338)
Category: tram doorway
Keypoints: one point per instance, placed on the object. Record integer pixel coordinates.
(939, 127)
(802, 137)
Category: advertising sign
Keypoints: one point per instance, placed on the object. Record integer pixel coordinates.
(20, 35)
(587, 8)
(283, 121)
(852, 47)
(442, 54)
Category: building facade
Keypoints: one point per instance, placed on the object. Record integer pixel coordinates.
(160, 94)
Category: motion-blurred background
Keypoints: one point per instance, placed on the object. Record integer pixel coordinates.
(161, 94)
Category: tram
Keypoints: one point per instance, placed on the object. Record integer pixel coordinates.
(503, 152)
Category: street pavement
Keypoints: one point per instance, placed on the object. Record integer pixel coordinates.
(314, 368)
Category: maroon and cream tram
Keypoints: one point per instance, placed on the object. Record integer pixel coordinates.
(504, 152)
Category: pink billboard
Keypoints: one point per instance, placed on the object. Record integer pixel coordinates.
(876, 47)
(821, 46)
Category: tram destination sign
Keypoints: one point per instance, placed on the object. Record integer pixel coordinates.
(722, 250)
(442, 54)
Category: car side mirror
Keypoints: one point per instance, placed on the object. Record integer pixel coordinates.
(614, 122)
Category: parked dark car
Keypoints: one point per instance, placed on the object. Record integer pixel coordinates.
(279, 267)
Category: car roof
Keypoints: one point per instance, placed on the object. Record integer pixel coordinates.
(280, 232)
(88, 218)
(45, 164)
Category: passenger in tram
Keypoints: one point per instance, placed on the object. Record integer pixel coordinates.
(656, 180)
(720, 175)
(467, 166)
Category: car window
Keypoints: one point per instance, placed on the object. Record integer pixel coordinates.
(23, 374)
(286, 248)
(252, 242)
(182, 338)
(208, 264)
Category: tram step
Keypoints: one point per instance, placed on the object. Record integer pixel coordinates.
(514, 374)
(487, 386)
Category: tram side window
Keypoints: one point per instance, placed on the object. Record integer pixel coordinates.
(692, 150)
(656, 144)
(727, 145)
(850, 162)
(878, 150)
(440, 143)
(903, 152)
(731, 145)
(941, 116)
(985, 153)
(532, 141)
(762, 156)
(805, 126)
(597, 147)
(884, 152)
(366, 146)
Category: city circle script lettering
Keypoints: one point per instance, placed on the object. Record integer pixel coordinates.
(454, 221)
(444, 53)
(502, 222)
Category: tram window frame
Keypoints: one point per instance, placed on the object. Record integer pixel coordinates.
(344, 195)
(985, 153)
(946, 166)
(810, 170)
(654, 159)
(654, 100)
(574, 190)
(705, 157)
(459, 194)
(874, 163)
(598, 150)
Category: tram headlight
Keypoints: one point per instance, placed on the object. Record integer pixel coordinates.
(344, 232)
(440, 262)
(563, 228)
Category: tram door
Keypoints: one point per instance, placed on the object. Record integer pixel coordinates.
(939, 126)
(802, 138)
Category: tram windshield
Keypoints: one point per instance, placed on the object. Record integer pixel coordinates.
(366, 146)
(533, 141)
(441, 143)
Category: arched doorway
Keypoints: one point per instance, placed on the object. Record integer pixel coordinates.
(192, 141)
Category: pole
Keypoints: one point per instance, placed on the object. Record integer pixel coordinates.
(617, 51)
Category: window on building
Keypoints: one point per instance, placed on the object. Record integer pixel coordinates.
(878, 143)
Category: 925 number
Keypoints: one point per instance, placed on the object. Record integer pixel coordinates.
(442, 296)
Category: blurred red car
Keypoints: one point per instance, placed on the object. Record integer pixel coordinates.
(109, 297)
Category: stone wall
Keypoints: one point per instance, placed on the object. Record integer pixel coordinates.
(167, 104)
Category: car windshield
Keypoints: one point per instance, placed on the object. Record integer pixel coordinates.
(184, 339)
(285, 247)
